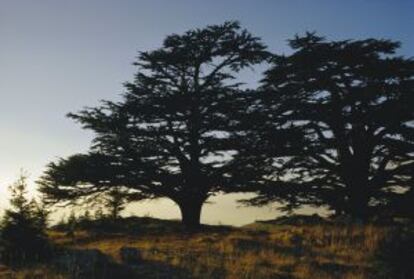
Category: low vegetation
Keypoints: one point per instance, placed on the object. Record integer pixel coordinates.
(296, 247)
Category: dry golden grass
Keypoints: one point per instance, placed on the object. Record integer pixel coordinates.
(259, 251)
(256, 251)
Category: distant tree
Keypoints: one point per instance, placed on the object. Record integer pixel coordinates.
(71, 225)
(115, 202)
(72, 219)
(40, 213)
(99, 214)
(353, 102)
(61, 224)
(86, 217)
(22, 235)
(170, 136)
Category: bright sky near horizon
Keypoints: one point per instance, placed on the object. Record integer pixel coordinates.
(58, 56)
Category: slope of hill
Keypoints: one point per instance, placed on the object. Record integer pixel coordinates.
(161, 249)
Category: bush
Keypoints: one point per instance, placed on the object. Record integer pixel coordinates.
(22, 237)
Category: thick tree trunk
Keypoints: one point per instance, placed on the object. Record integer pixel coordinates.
(191, 213)
(357, 187)
(358, 205)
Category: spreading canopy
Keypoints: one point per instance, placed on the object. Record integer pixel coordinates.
(353, 103)
(171, 135)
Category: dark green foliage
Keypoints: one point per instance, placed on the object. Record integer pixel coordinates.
(22, 236)
(351, 105)
(171, 135)
(331, 126)
(115, 202)
(99, 214)
(71, 225)
(85, 217)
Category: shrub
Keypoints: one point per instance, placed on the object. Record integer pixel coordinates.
(22, 236)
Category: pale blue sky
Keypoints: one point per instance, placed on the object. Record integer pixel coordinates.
(57, 56)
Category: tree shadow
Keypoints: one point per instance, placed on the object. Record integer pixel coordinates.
(335, 269)
(93, 264)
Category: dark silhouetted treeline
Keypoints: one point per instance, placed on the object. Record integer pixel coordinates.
(330, 125)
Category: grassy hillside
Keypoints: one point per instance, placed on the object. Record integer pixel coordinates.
(280, 249)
